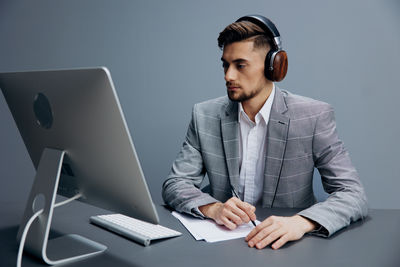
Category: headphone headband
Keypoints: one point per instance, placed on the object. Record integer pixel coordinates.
(267, 25)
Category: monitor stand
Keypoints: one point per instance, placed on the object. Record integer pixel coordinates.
(59, 250)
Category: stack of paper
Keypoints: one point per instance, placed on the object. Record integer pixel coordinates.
(209, 231)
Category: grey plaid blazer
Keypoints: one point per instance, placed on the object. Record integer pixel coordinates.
(301, 136)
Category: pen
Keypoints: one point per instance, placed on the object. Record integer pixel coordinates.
(236, 195)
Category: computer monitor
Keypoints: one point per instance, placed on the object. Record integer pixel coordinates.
(74, 129)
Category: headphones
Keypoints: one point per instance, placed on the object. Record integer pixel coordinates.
(276, 62)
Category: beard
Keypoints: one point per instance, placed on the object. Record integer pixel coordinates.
(240, 95)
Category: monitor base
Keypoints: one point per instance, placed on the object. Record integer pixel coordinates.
(42, 198)
(70, 248)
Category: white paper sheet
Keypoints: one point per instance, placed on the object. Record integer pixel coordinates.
(209, 230)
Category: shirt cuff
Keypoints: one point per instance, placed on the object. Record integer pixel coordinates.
(319, 231)
(197, 212)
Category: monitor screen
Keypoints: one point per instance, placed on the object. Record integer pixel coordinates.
(77, 111)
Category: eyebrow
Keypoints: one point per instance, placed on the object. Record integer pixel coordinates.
(238, 60)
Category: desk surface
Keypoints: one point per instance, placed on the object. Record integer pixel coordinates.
(374, 242)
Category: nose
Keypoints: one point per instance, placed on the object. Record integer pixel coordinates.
(230, 74)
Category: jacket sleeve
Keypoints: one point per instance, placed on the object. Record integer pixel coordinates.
(347, 201)
(181, 188)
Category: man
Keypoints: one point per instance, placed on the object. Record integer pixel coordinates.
(264, 143)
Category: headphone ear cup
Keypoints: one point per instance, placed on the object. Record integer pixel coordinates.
(276, 65)
(280, 66)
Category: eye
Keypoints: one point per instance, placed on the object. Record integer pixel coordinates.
(225, 65)
(241, 66)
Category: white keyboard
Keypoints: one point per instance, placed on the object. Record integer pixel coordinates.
(137, 230)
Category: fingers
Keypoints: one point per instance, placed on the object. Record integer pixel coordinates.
(227, 215)
(242, 209)
(270, 238)
(228, 223)
(278, 229)
(261, 233)
(281, 241)
(234, 212)
(263, 225)
(247, 208)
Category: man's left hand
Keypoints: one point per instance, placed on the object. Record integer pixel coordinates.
(280, 230)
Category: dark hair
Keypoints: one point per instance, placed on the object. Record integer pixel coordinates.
(243, 30)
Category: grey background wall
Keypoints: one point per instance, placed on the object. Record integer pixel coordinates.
(163, 58)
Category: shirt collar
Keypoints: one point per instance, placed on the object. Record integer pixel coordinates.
(263, 112)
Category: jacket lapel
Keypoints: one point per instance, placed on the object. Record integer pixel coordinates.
(277, 133)
(230, 139)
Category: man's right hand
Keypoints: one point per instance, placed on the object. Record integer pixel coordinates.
(232, 213)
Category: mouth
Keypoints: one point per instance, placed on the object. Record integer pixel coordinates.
(233, 88)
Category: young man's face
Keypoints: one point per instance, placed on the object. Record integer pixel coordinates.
(244, 70)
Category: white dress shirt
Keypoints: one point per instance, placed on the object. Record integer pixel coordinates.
(252, 151)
